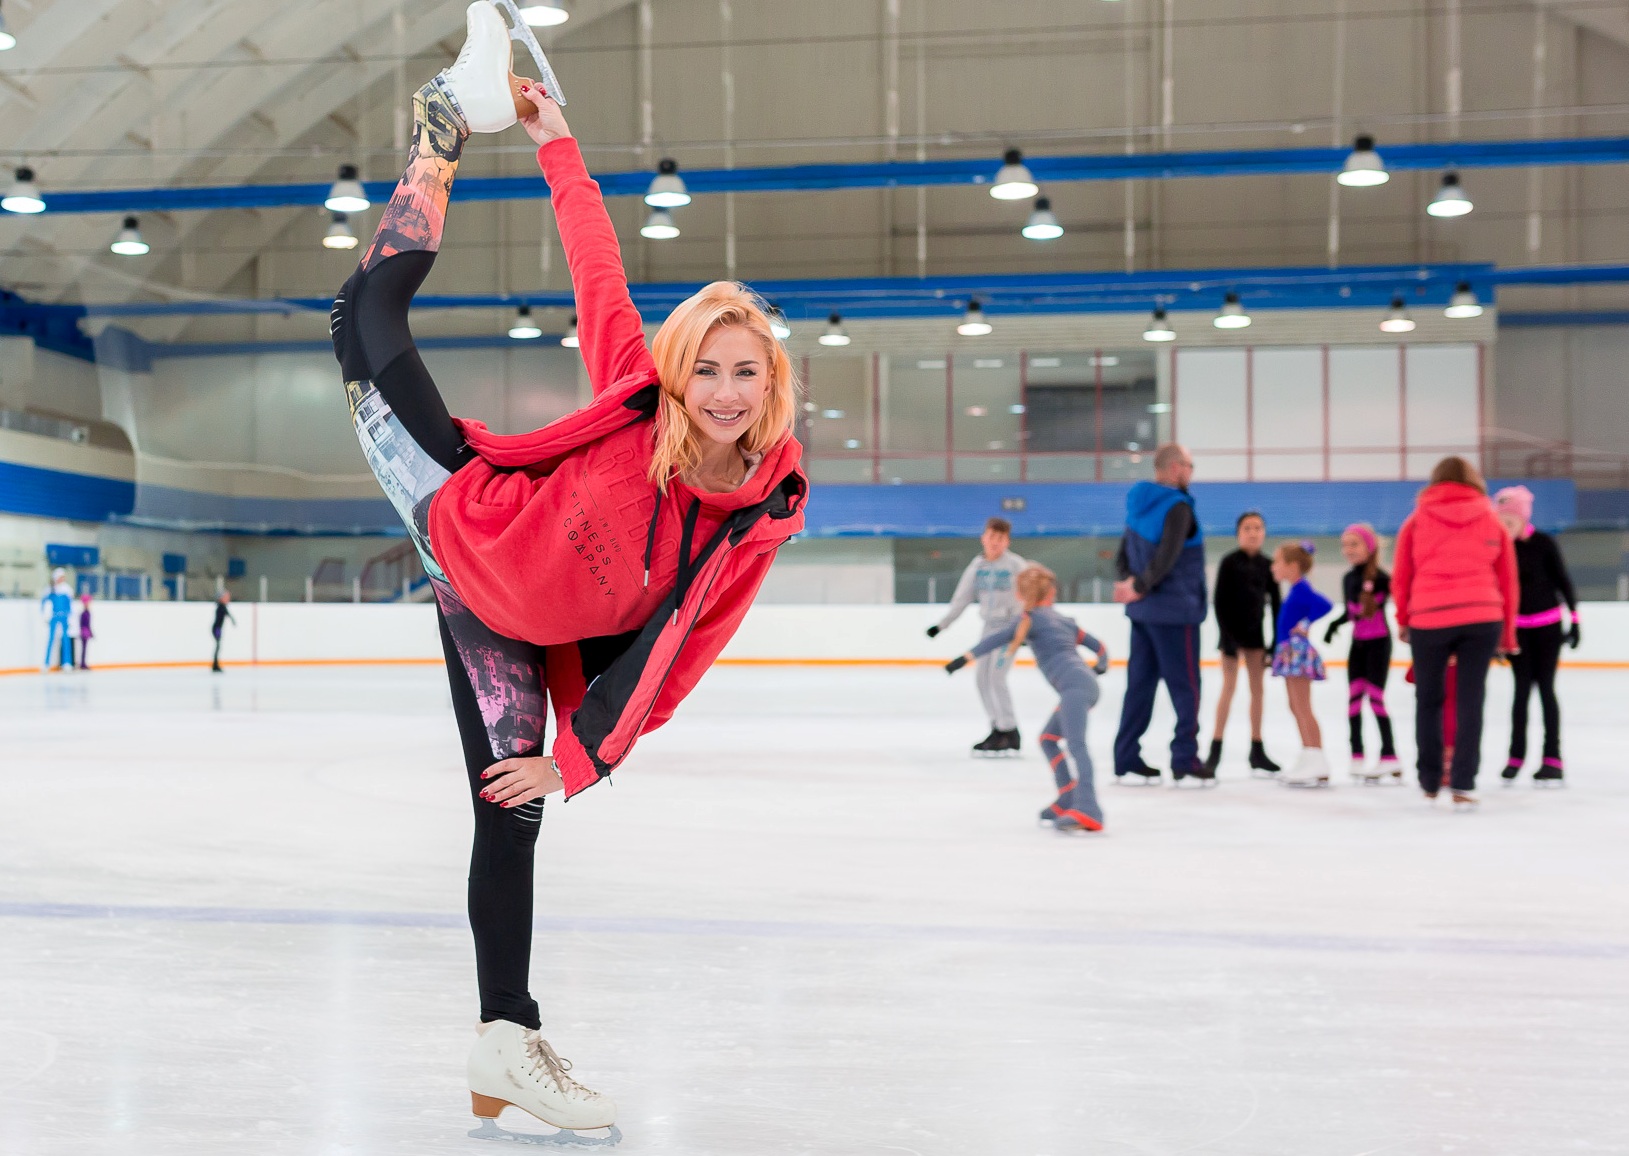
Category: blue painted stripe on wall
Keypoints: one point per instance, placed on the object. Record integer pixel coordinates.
(943, 510)
(55, 494)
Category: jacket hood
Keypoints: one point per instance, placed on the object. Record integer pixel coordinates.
(1453, 504)
(1145, 498)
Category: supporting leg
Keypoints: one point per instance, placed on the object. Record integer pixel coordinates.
(1142, 680)
(1474, 648)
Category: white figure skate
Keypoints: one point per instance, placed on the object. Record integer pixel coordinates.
(1360, 769)
(1385, 771)
(1464, 802)
(521, 32)
(1311, 769)
(515, 1066)
(479, 83)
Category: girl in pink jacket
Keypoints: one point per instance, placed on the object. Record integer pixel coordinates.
(1454, 587)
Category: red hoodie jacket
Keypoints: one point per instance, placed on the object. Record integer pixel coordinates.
(556, 537)
(1454, 563)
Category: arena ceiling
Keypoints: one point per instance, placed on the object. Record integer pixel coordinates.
(142, 93)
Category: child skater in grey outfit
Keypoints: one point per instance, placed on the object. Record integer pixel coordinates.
(1055, 641)
(990, 578)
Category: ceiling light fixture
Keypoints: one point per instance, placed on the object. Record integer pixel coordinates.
(7, 40)
(1232, 315)
(346, 194)
(1463, 303)
(1450, 200)
(339, 235)
(545, 15)
(1363, 167)
(524, 328)
(24, 195)
(974, 323)
(1397, 319)
(659, 226)
(1159, 329)
(1043, 224)
(1013, 181)
(835, 333)
(569, 339)
(667, 189)
(129, 242)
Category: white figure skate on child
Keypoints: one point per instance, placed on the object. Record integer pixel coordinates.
(1311, 769)
(515, 1066)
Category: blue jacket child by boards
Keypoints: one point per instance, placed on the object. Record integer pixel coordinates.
(1163, 552)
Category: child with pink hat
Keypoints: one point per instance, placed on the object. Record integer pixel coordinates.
(1545, 585)
(1368, 663)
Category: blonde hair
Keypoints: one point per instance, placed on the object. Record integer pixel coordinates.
(677, 346)
(1035, 582)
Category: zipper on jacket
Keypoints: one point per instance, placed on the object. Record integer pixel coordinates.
(650, 535)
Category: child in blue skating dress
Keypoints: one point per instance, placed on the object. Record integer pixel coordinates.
(1056, 641)
(1298, 662)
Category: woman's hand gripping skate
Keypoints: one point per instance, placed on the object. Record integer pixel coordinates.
(517, 781)
(548, 122)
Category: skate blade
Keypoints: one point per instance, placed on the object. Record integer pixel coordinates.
(1129, 780)
(565, 1138)
(1311, 785)
(521, 32)
(1549, 784)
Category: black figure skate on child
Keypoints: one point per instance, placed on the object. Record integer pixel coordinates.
(998, 744)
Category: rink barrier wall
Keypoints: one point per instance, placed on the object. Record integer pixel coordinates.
(155, 635)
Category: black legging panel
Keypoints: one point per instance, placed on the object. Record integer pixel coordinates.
(1534, 666)
(1473, 645)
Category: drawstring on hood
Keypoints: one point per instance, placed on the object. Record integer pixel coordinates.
(650, 535)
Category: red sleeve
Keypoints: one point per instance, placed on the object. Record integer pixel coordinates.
(1402, 572)
(1509, 585)
(609, 328)
(709, 637)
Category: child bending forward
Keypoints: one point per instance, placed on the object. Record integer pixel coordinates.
(1055, 641)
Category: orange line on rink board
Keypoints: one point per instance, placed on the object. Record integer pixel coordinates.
(1577, 664)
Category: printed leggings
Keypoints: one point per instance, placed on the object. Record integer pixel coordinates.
(1367, 667)
(1534, 666)
(413, 447)
(1076, 790)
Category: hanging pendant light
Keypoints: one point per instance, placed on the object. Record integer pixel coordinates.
(1450, 200)
(1463, 303)
(1232, 315)
(569, 340)
(1013, 181)
(659, 226)
(346, 194)
(835, 333)
(7, 40)
(524, 328)
(974, 323)
(1159, 329)
(24, 195)
(339, 235)
(777, 323)
(547, 14)
(1363, 167)
(1397, 319)
(667, 189)
(129, 242)
(1043, 225)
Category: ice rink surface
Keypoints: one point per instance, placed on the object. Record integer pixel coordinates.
(802, 920)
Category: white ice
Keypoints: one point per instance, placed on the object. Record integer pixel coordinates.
(802, 921)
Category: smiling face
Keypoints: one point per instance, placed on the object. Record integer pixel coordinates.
(728, 385)
(1354, 550)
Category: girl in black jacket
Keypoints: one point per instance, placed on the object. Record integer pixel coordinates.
(1545, 585)
(1244, 588)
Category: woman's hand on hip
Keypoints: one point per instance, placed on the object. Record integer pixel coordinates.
(548, 122)
(516, 781)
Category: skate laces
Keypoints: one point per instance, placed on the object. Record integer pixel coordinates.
(545, 1058)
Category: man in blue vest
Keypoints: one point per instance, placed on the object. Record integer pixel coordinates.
(1161, 565)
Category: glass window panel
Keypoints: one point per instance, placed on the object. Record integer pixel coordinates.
(929, 468)
(837, 407)
(985, 391)
(913, 404)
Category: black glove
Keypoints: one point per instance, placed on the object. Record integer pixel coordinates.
(1572, 636)
(956, 664)
(1329, 635)
(933, 632)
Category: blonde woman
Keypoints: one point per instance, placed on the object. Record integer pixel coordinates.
(598, 564)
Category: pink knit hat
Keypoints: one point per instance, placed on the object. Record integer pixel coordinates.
(1516, 500)
(1364, 533)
